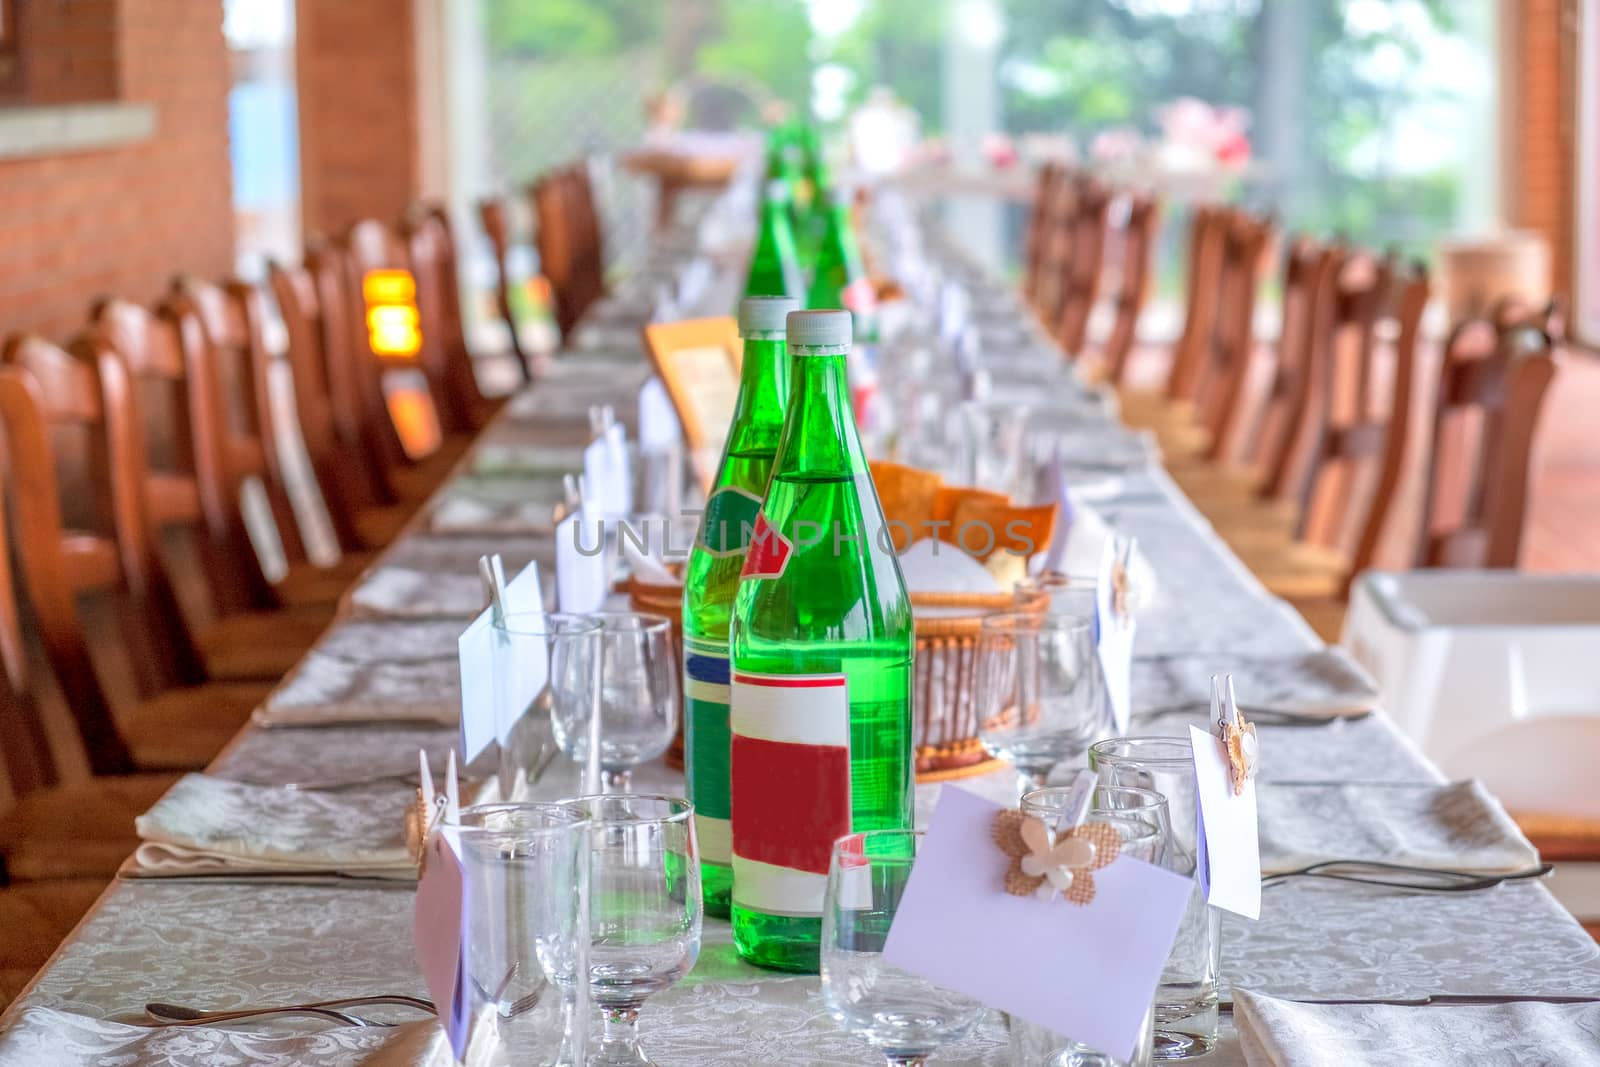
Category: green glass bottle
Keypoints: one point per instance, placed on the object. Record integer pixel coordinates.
(840, 279)
(712, 579)
(775, 266)
(822, 643)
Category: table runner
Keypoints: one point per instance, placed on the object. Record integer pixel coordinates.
(213, 943)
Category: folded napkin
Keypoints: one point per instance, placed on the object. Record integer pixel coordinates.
(1457, 826)
(372, 671)
(209, 825)
(458, 554)
(462, 512)
(493, 460)
(1283, 1033)
(407, 593)
(1327, 683)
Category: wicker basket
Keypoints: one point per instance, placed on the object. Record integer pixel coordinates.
(944, 692)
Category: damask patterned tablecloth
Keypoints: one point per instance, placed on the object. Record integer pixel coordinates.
(224, 944)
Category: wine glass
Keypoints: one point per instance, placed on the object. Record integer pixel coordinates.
(635, 715)
(902, 1016)
(541, 660)
(645, 910)
(1040, 691)
(526, 881)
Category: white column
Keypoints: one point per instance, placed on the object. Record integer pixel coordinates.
(971, 109)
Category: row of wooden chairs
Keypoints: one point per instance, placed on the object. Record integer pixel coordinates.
(1075, 219)
(570, 243)
(1303, 453)
(133, 596)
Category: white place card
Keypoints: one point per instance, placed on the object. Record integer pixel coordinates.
(475, 650)
(580, 563)
(1114, 637)
(1087, 971)
(659, 429)
(1228, 860)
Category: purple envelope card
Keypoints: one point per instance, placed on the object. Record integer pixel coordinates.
(1087, 971)
(439, 924)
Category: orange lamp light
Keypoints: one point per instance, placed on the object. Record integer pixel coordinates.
(393, 326)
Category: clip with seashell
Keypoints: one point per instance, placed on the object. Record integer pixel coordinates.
(428, 811)
(1121, 585)
(1046, 862)
(1238, 736)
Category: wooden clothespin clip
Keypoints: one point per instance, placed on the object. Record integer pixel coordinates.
(1238, 736)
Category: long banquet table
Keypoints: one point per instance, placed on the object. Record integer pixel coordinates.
(223, 943)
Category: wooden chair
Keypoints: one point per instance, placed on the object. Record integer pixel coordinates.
(561, 257)
(492, 214)
(55, 829)
(172, 723)
(1039, 222)
(1501, 391)
(36, 918)
(232, 319)
(1139, 232)
(447, 361)
(173, 454)
(1221, 392)
(352, 490)
(1055, 256)
(1207, 232)
(1082, 283)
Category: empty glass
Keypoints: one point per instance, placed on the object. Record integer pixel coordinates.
(1073, 595)
(636, 715)
(1186, 1004)
(1040, 691)
(644, 910)
(541, 661)
(526, 898)
(902, 1016)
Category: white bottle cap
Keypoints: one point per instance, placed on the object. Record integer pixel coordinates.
(765, 314)
(819, 328)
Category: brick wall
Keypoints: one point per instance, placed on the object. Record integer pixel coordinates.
(121, 220)
(1539, 185)
(356, 66)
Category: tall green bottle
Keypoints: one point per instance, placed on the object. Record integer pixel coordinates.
(775, 266)
(840, 279)
(820, 710)
(712, 579)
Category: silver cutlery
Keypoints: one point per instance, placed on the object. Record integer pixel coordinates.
(1393, 876)
(1434, 999)
(183, 1015)
(331, 785)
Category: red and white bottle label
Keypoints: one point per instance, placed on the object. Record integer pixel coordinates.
(768, 552)
(789, 787)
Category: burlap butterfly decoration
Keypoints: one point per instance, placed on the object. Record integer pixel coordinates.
(1045, 865)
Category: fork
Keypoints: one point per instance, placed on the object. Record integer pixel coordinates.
(182, 1015)
(1374, 872)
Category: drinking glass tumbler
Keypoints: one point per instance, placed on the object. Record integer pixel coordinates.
(526, 899)
(546, 669)
(905, 1017)
(1040, 691)
(636, 714)
(645, 911)
(1186, 1005)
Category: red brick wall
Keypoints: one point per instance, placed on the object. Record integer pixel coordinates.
(1539, 196)
(356, 65)
(122, 220)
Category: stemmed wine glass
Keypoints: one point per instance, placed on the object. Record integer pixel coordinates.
(645, 910)
(1040, 691)
(904, 1017)
(636, 712)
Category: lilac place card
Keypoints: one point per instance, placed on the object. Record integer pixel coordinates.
(439, 927)
(1088, 971)
(1228, 852)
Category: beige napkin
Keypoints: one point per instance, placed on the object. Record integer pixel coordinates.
(1326, 683)
(1457, 826)
(462, 513)
(209, 825)
(44, 1037)
(492, 460)
(1282, 1033)
(407, 593)
(373, 671)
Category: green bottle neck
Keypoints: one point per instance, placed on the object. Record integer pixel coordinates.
(819, 431)
(763, 392)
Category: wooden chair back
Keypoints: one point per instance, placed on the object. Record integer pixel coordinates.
(1222, 393)
(1311, 271)
(1055, 257)
(24, 746)
(591, 240)
(1138, 242)
(447, 362)
(493, 214)
(1498, 393)
(1039, 220)
(340, 463)
(1361, 429)
(187, 469)
(1207, 228)
(356, 373)
(233, 325)
(558, 240)
(1082, 284)
(46, 391)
